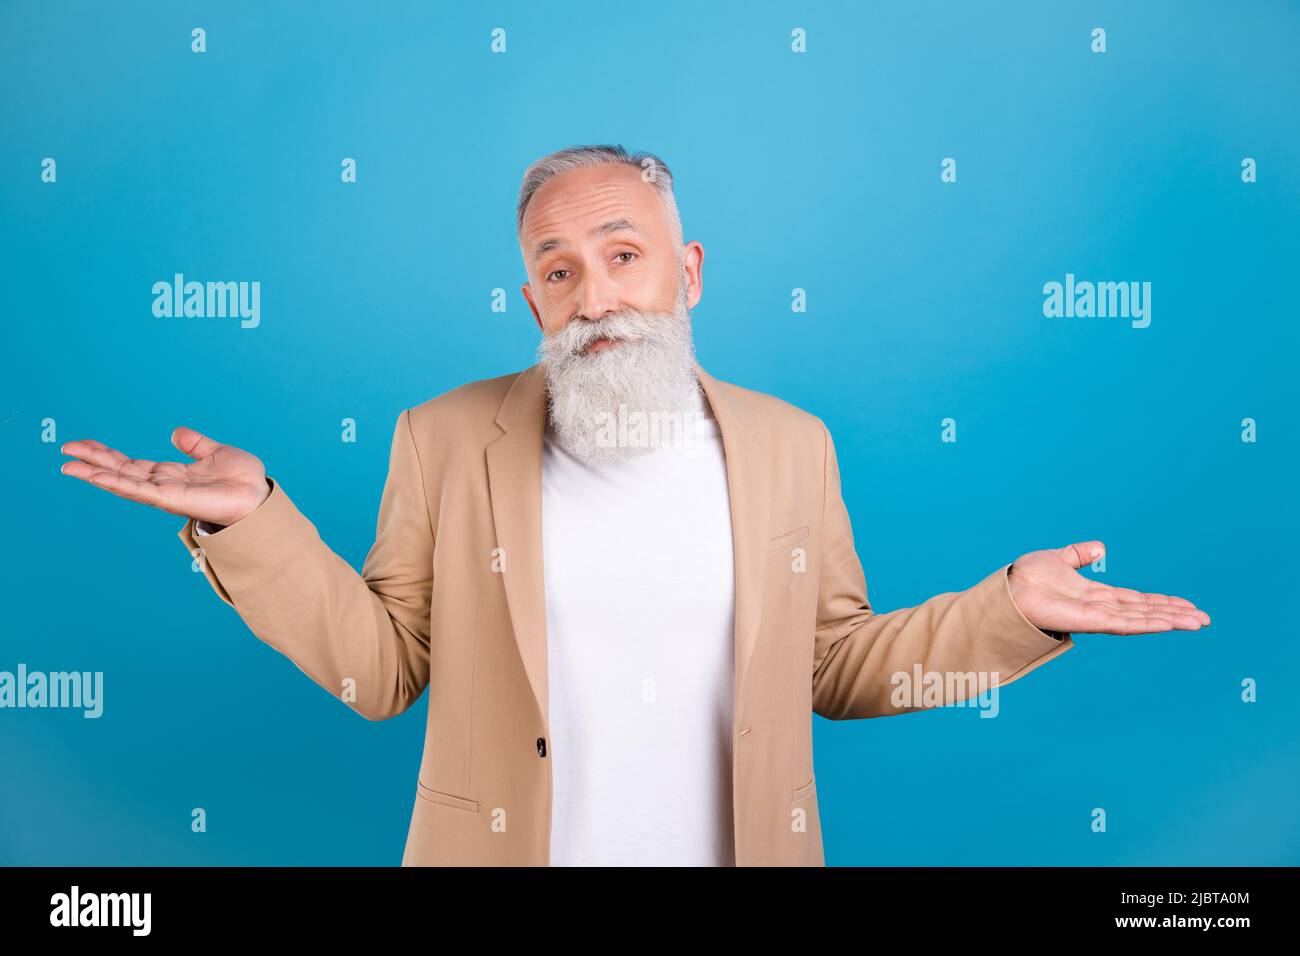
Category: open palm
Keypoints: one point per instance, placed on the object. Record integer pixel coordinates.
(221, 485)
(1054, 596)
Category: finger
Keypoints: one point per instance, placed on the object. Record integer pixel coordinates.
(127, 487)
(1148, 597)
(165, 495)
(1141, 625)
(1156, 625)
(1125, 623)
(95, 452)
(195, 444)
(78, 469)
(1084, 552)
(1133, 620)
(1160, 602)
(101, 456)
(1170, 611)
(91, 475)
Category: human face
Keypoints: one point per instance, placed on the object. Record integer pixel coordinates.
(597, 241)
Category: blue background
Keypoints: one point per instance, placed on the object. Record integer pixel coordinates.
(817, 171)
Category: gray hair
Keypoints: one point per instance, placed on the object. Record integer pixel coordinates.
(653, 170)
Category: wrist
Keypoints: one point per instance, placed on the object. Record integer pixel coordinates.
(1014, 587)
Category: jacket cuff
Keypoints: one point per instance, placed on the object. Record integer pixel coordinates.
(258, 544)
(1019, 643)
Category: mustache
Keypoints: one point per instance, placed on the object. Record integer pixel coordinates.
(579, 333)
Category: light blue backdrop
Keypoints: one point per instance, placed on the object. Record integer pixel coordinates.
(818, 171)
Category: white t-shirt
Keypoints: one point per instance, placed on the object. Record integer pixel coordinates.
(640, 600)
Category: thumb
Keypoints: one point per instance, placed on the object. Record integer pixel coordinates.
(193, 443)
(1084, 552)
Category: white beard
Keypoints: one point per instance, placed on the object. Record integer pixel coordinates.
(648, 377)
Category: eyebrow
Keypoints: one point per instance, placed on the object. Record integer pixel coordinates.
(614, 225)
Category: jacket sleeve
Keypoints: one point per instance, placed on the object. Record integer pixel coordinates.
(863, 661)
(363, 637)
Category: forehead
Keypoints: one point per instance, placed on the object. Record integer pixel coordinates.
(569, 206)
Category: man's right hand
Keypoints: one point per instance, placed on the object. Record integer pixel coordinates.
(221, 485)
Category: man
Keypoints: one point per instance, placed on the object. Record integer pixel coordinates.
(627, 585)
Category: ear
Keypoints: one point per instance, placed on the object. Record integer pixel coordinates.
(528, 294)
(694, 266)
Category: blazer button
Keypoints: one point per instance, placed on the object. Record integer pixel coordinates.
(541, 746)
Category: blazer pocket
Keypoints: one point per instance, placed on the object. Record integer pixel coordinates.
(445, 799)
(787, 540)
(807, 788)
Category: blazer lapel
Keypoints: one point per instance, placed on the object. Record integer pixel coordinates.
(750, 490)
(514, 462)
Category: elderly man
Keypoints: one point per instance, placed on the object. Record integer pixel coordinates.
(624, 628)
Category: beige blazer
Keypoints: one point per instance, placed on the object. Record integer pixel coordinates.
(450, 597)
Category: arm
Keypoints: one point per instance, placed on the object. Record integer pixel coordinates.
(858, 651)
(301, 598)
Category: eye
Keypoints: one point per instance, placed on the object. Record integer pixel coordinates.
(555, 273)
(621, 254)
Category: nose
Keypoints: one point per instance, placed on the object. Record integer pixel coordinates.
(597, 296)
